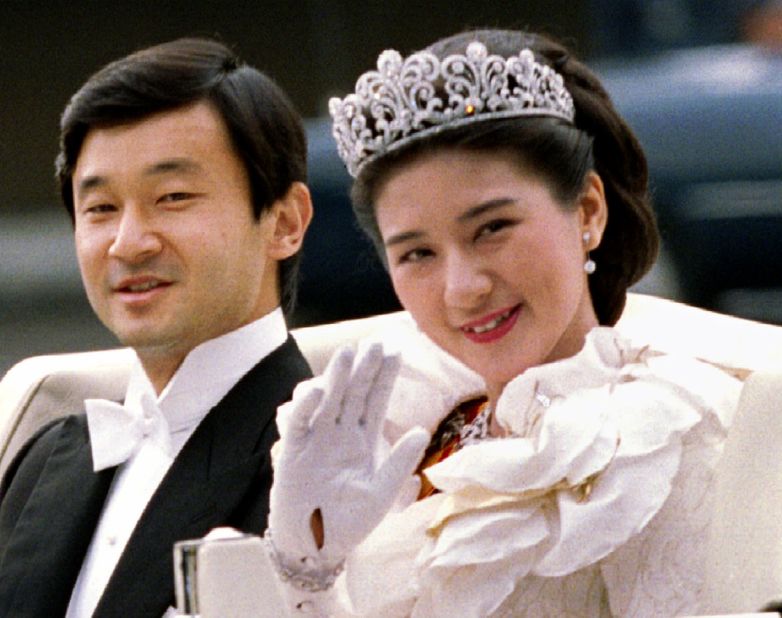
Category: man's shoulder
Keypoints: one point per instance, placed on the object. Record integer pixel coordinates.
(28, 465)
(33, 455)
(272, 380)
(286, 365)
(292, 358)
(249, 407)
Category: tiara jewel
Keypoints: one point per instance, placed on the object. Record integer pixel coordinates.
(407, 99)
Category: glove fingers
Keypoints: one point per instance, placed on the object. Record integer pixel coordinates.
(409, 491)
(377, 399)
(362, 382)
(295, 415)
(402, 462)
(336, 379)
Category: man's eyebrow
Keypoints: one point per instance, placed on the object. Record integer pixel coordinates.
(173, 165)
(479, 209)
(88, 183)
(166, 166)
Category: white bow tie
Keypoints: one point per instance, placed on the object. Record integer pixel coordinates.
(117, 431)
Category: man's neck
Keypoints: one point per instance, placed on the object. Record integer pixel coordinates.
(160, 368)
(242, 348)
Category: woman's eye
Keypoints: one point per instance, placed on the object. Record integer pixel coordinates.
(413, 256)
(492, 227)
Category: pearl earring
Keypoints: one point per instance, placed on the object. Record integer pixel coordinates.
(589, 265)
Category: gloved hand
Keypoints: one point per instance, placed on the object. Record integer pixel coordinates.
(331, 458)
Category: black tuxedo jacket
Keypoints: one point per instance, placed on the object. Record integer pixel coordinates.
(51, 500)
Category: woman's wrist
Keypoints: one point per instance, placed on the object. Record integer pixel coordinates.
(305, 573)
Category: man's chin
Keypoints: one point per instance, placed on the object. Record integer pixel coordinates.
(147, 340)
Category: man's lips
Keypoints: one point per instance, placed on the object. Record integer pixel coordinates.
(493, 326)
(139, 286)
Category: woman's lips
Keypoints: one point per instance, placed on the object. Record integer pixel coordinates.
(492, 327)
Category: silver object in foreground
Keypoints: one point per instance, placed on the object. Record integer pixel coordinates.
(226, 577)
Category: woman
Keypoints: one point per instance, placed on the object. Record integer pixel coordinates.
(509, 202)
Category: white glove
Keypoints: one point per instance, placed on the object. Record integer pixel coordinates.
(331, 458)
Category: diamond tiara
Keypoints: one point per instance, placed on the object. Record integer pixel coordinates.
(399, 103)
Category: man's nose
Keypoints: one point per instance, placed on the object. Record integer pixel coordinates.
(135, 238)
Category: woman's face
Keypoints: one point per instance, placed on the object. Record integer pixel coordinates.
(488, 263)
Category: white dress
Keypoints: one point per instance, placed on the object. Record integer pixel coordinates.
(596, 503)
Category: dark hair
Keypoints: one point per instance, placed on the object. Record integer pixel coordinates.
(264, 127)
(562, 153)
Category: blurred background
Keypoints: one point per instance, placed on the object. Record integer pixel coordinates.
(699, 80)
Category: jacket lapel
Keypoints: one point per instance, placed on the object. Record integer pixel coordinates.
(56, 524)
(221, 477)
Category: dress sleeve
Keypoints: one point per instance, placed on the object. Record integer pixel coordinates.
(659, 572)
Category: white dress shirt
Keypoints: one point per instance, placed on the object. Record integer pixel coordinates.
(206, 375)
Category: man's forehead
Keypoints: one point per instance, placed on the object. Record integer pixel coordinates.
(175, 166)
(174, 141)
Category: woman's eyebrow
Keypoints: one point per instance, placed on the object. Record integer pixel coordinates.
(479, 209)
(403, 237)
(468, 215)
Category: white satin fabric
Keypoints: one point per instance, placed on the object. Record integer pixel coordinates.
(117, 431)
(596, 503)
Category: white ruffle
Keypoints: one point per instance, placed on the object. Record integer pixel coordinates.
(594, 444)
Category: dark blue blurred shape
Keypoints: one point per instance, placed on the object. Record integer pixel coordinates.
(640, 27)
(341, 277)
(710, 121)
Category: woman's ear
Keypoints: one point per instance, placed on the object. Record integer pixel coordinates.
(593, 210)
(292, 214)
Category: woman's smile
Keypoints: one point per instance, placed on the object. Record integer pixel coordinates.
(492, 327)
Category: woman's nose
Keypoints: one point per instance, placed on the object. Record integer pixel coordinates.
(467, 282)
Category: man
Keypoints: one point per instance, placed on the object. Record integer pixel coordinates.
(183, 172)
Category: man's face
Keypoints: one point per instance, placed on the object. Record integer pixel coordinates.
(168, 247)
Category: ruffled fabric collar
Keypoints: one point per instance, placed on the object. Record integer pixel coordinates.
(593, 445)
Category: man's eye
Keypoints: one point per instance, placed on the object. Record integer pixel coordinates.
(98, 209)
(176, 196)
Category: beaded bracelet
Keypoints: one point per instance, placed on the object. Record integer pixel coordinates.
(301, 574)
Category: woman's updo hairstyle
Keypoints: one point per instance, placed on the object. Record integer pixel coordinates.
(561, 153)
